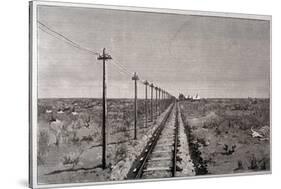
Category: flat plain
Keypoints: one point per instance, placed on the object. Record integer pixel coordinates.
(221, 134)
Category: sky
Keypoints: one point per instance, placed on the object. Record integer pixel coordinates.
(214, 57)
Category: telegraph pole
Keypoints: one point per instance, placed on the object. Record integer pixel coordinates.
(146, 116)
(165, 99)
(151, 107)
(104, 57)
(163, 103)
(160, 101)
(156, 103)
(135, 78)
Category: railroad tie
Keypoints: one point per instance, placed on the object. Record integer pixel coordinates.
(159, 159)
(157, 169)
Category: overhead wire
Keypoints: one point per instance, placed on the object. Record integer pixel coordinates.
(51, 34)
(127, 72)
(122, 69)
(64, 38)
(120, 66)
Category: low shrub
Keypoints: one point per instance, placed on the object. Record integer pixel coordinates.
(121, 152)
(72, 159)
(239, 166)
(228, 150)
(87, 139)
(43, 146)
(253, 163)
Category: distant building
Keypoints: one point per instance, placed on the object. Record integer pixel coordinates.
(196, 97)
(188, 97)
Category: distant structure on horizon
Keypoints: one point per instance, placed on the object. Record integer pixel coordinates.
(196, 97)
(189, 97)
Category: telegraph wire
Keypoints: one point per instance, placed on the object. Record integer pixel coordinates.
(64, 38)
(127, 72)
(44, 30)
(122, 69)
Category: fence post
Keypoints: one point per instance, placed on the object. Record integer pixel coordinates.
(135, 78)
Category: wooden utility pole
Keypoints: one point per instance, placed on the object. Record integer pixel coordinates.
(168, 99)
(165, 100)
(159, 101)
(135, 78)
(160, 105)
(151, 100)
(156, 101)
(104, 57)
(146, 105)
(163, 107)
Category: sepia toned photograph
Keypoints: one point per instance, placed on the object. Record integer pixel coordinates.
(127, 94)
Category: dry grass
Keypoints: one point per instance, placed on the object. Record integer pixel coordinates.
(221, 128)
(69, 133)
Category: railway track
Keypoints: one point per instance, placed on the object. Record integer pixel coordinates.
(159, 157)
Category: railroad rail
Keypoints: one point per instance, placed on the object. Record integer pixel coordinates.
(159, 157)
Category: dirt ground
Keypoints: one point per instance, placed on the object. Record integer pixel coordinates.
(69, 139)
(223, 135)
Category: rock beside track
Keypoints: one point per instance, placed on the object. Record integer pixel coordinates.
(186, 166)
